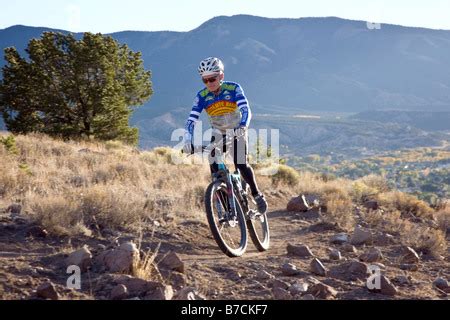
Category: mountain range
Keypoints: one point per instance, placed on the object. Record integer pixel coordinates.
(287, 66)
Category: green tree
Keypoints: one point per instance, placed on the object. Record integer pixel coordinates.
(72, 88)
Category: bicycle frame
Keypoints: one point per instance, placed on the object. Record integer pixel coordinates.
(230, 177)
(229, 181)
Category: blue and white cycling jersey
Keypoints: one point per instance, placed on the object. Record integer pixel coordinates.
(228, 110)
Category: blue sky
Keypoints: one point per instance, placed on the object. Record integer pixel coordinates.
(183, 15)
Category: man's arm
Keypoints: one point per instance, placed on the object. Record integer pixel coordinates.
(244, 107)
(193, 118)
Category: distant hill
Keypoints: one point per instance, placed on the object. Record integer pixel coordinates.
(426, 120)
(287, 66)
(311, 63)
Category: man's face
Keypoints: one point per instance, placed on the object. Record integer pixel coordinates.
(213, 82)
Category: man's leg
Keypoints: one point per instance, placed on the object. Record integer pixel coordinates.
(240, 157)
(214, 167)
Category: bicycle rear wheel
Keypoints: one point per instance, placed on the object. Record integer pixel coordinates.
(230, 233)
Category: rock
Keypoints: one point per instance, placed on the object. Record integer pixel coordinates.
(318, 268)
(322, 291)
(160, 292)
(312, 200)
(312, 280)
(47, 291)
(299, 251)
(339, 238)
(288, 269)
(409, 267)
(81, 258)
(349, 248)
(308, 297)
(177, 280)
(135, 286)
(119, 292)
(335, 255)
(298, 204)
(120, 259)
(371, 205)
(151, 290)
(37, 232)
(298, 288)
(264, 275)
(386, 287)
(401, 280)
(276, 283)
(380, 265)
(14, 209)
(373, 255)
(410, 256)
(171, 261)
(384, 239)
(281, 294)
(441, 284)
(361, 236)
(188, 293)
(359, 268)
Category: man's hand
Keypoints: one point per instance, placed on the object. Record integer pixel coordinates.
(240, 131)
(188, 148)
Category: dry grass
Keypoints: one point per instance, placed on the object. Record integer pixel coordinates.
(145, 267)
(443, 219)
(68, 185)
(406, 204)
(76, 187)
(285, 175)
(419, 236)
(368, 187)
(340, 212)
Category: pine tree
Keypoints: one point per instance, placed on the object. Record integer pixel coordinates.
(72, 88)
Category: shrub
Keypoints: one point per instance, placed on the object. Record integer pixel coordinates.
(286, 175)
(9, 143)
(406, 204)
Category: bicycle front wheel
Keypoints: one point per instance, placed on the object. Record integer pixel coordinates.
(229, 230)
(258, 227)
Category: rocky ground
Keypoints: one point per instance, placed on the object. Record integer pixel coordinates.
(308, 259)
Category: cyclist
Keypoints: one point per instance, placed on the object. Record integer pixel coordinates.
(228, 109)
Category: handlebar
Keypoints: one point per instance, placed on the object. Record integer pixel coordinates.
(228, 139)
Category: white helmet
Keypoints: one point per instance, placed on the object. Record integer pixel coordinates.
(210, 66)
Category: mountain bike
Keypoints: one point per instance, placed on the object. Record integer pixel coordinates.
(229, 209)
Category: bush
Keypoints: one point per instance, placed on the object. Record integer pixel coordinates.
(443, 219)
(10, 144)
(286, 175)
(406, 204)
(340, 212)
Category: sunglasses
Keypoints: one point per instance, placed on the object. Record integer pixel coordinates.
(213, 79)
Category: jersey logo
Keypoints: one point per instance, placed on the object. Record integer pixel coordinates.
(230, 87)
(204, 92)
(221, 107)
(209, 98)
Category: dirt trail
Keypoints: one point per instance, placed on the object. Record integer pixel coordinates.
(222, 277)
(26, 262)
